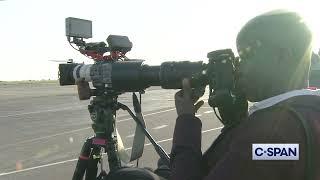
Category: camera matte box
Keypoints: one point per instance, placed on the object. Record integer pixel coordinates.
(78, 28)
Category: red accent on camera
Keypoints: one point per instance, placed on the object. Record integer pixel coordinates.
(83, 157)
(99, 141)
(114, 55)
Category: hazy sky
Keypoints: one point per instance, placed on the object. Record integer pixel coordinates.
(32, 31)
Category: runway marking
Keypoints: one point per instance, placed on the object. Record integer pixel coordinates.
(198, 115)
(159, 127)
(72, 160)
(36, 112)
(207, 112)
(212, 129)
(72, 131)
(37, 167)
(165, 140)
(162, 99)
(44, 137)
(49, 110)
(130, 136)
(148, 114)
(206, 107)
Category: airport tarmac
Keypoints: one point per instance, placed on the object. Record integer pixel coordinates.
(44, 125)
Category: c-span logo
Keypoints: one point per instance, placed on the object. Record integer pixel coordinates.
(275, 151)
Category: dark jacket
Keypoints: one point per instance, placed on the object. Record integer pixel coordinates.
(231, 156)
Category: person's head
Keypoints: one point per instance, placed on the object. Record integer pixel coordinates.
(275, 51)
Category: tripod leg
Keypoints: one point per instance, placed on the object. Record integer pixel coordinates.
(92, 167)
(83, 159)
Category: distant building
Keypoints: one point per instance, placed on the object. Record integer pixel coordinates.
(314, 77)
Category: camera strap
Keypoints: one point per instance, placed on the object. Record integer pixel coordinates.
(137, 145)
(310, 140)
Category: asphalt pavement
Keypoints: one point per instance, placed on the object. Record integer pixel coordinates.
(43, 127)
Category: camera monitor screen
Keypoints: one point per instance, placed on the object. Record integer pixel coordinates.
(78, 28)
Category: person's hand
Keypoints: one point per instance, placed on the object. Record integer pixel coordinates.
(185, 99)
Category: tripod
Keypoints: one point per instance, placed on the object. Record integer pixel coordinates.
(102, 111)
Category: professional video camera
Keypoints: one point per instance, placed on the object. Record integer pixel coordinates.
(114, 74)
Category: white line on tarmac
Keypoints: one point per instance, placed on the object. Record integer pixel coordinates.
(44, 137)
(37, 167)
(162, 99)
(145, 115)
(165, 140)
(36, 112)
(159, 127)
(207, 112)
(71, 160)
(130, 136)
(72, 131)
(198, 115)
(49, 110)
(214, 129)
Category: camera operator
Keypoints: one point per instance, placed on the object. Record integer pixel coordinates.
(275, 51)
